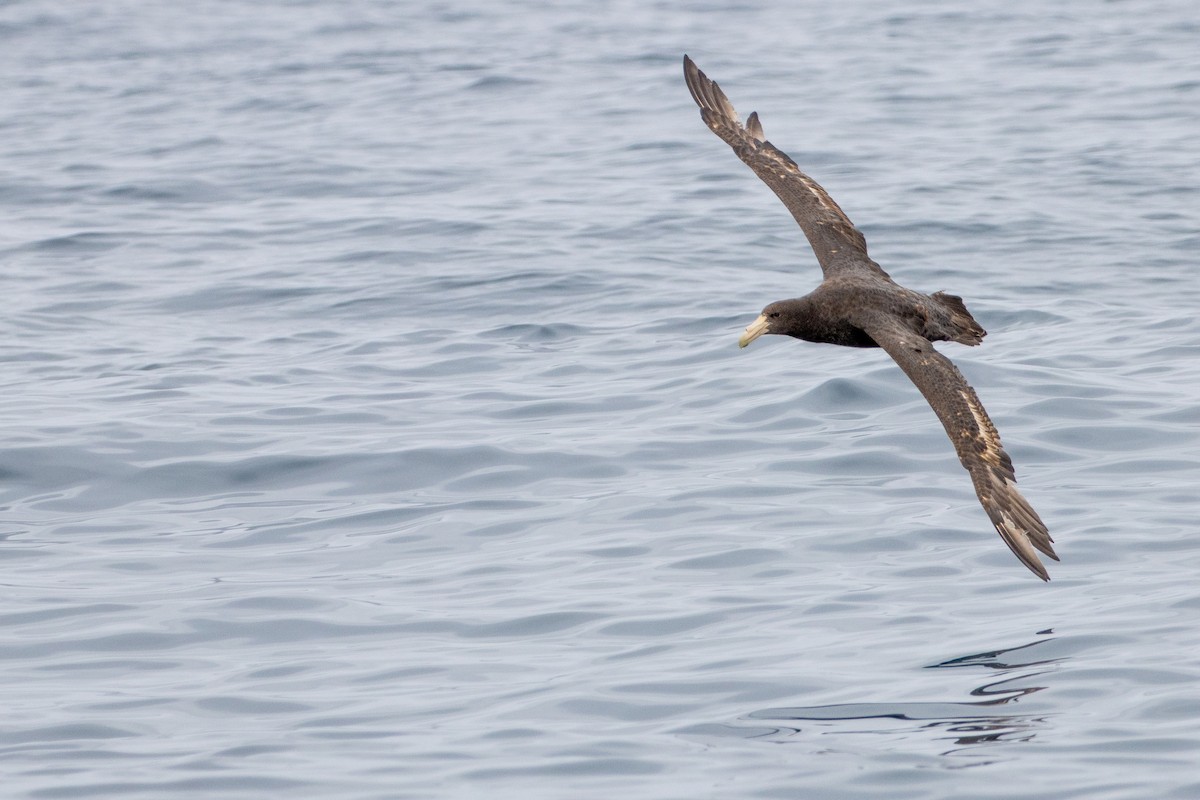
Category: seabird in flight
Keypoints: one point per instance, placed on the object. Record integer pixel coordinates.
(859, 305)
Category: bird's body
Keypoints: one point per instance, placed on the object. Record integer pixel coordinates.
(859, 305)
(837, 310)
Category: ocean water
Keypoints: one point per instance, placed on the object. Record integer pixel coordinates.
(374, 424)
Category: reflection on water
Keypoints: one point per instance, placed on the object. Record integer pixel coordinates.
(1012, 658)
(969, 724)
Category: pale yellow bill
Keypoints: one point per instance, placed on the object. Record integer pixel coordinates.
(755, 330)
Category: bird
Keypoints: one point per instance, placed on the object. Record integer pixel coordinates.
(857, 304)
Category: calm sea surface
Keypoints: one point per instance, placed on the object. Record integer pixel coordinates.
(373, 423)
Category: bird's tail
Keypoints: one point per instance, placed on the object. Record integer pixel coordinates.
(965, 329)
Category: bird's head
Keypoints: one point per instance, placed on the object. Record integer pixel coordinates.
(773, 319)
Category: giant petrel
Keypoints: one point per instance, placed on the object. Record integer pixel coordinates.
(859, 305)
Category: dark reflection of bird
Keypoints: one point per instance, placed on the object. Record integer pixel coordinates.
(859, 305)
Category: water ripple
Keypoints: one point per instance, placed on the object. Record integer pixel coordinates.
(376, 425)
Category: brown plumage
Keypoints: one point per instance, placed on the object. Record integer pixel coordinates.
(859, 305)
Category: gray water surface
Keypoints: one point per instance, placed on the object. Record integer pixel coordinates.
(374, 424)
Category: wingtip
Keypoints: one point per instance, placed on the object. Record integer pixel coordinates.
(1032, 563)
(1021, 543)
(1040, 571)
(1029, 559)
(695, 80)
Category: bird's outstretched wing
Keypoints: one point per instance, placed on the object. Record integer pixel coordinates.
(838, 244)
(975, 438)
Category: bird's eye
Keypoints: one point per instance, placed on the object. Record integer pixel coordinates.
(773, 314)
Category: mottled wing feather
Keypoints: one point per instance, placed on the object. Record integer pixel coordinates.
(975, 438)
(837, 243)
